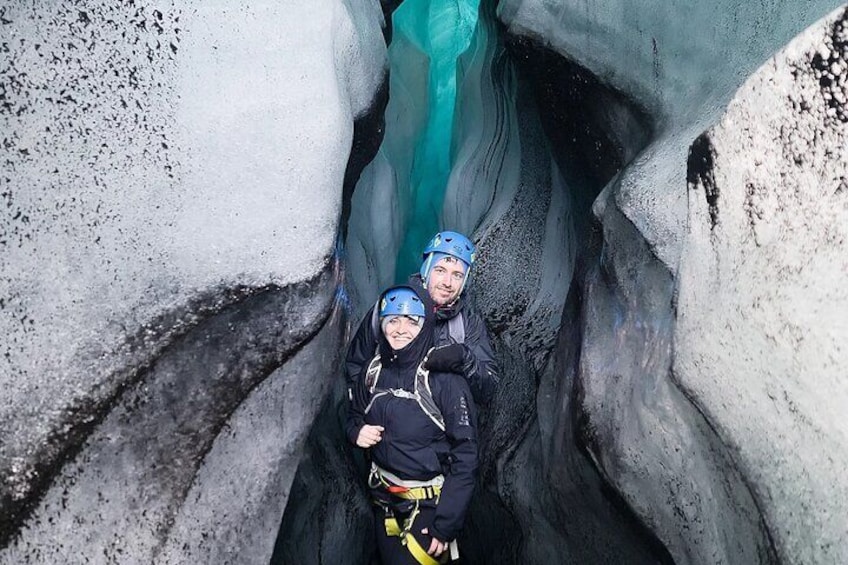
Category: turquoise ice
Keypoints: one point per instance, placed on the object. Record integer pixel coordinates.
(442, 30)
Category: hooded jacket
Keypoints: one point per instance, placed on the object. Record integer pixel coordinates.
(479, 367)
(413, 447)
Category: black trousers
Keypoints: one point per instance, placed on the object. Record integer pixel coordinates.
(391, 549)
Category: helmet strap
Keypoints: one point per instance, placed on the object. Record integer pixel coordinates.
(425, 270)
(464, 281)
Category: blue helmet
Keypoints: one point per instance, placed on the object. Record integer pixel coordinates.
(401, 301)
(448, 243)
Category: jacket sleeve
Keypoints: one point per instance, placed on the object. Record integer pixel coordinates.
(361, 350)
(359, 354)
(480, 367)
(357, 401)
(461, 431)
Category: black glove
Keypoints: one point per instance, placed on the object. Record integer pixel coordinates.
(446, 359)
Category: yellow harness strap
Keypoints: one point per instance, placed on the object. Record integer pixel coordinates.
(392, 526)
(407, 538)
(419, 493)
(418, 552)
(412, 493)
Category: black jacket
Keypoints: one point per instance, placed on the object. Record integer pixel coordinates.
(480, 368)
(413, 447)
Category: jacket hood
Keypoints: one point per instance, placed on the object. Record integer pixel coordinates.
(413, 353)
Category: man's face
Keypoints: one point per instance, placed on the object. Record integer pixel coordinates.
(445, 280)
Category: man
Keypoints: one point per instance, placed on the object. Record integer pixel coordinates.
(461, 339)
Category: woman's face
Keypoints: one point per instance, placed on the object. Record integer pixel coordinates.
(400, 330)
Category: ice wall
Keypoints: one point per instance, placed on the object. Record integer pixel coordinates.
(681, 62)
(160, 261)
(380, 205)
(762, 304)
(676, 447)
(397, 203)
(521, 122)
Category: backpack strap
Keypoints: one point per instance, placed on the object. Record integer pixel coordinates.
(372, 375)
(456, 328)
(424, 396)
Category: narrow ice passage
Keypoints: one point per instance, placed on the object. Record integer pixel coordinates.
(658, 191)
(468, 146)
(573, 181)
(441, 30)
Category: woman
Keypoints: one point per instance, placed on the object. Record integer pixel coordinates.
(420, 431)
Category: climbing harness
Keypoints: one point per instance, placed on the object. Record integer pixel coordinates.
(410, 490)
(407, 490)
(407, 538)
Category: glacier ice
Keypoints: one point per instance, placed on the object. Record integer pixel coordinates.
(682, 63)
(156, 159)
(440, 29)
(651, 436)
(175, 176)
(761, 330)
(528, 201)
(427, 37)
(379, 209)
